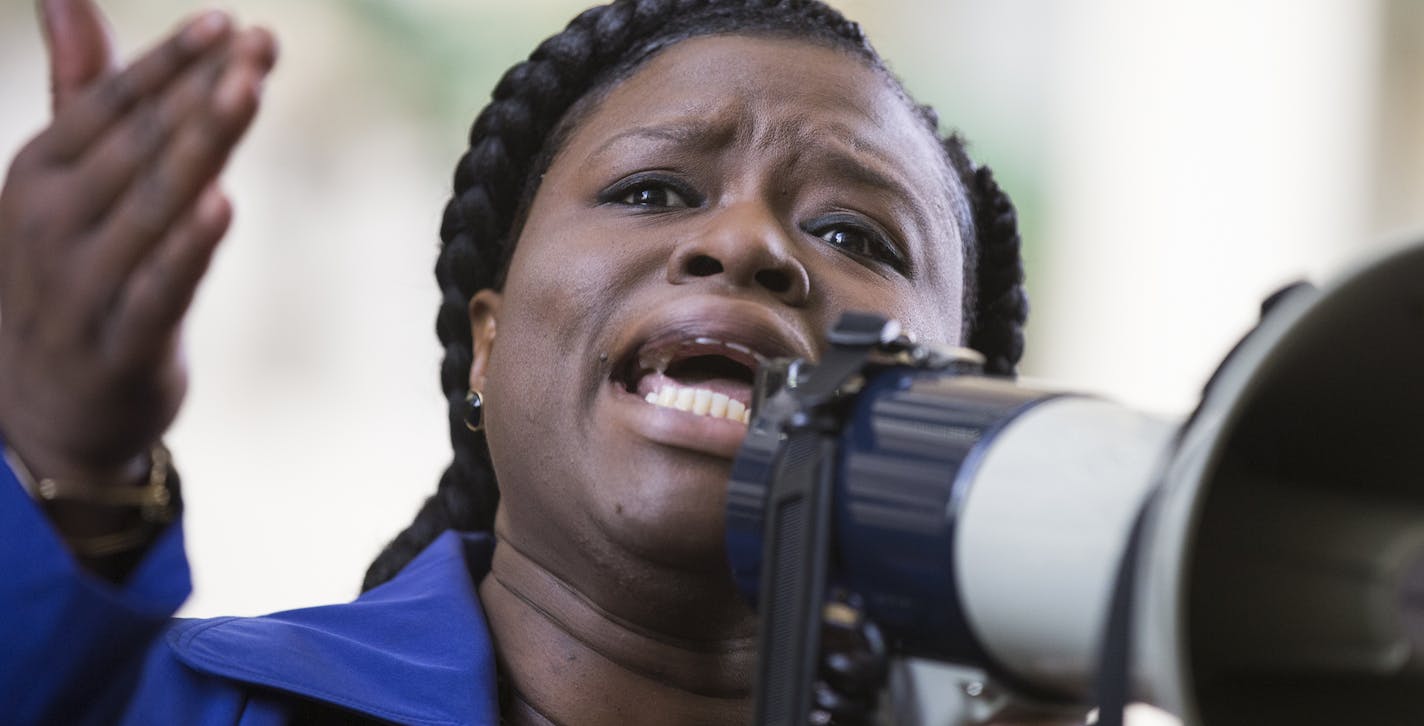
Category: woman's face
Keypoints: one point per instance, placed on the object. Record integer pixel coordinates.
(735, 194)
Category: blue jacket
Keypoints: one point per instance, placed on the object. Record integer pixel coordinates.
(76, 650)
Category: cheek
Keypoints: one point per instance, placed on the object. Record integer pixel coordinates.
(560, 285)
(934, 307)
(565, 280)
(572, 264)
(938, 316)
(519, 385)
(933, 312)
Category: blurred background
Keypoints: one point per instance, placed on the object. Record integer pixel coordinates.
(1173, 164)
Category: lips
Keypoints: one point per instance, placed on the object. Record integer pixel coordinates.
(705, 350)
(687, 372)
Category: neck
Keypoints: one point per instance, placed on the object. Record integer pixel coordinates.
(569, 660)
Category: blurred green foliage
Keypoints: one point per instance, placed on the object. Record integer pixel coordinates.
(446, 56)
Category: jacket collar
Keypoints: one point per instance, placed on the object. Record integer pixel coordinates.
(415, 650)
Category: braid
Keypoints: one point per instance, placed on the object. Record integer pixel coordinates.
(1002, 300)
(512, 142)
(995, 302)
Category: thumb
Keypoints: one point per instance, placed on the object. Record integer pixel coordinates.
(80, 49)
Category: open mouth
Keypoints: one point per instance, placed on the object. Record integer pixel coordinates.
(699, 375)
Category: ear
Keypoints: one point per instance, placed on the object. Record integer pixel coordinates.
(484, 313)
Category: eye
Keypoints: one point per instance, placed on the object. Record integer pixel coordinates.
(654, 196)
(654, 192)
(859, 238)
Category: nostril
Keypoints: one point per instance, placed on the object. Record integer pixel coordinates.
(703, 266)
(777, 281)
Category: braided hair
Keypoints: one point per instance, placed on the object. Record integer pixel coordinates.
(514, 140)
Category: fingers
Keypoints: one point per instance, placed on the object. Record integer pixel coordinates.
(97, 106)
(189, 161)
(80, 46)
(160, 290)
(117, 157)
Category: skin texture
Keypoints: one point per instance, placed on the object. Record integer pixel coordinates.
(610, 567)
(108, 220)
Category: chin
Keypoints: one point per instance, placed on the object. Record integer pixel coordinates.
(674, 518)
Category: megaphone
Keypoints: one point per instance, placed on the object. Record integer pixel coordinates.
(1261, 562)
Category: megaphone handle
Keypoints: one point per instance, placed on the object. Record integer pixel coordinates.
(1114, 658)
(796, 557)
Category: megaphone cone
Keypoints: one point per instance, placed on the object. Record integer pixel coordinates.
(1280, 568)
(1284, 579)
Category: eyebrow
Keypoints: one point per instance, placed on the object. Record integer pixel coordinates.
(843, 163)
(844, 155)
(699, 135)
(840, 155)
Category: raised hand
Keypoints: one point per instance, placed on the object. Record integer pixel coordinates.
(108, 220)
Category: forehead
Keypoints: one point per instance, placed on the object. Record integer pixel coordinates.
(770, 88)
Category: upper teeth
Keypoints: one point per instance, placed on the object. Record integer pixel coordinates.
(700, 401)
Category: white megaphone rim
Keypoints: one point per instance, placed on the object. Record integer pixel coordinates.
(1161, 651)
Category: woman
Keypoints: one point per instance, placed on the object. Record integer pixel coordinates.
(661, 188)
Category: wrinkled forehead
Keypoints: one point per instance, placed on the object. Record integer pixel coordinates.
(767, 88)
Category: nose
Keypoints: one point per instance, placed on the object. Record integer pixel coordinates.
(743, 246)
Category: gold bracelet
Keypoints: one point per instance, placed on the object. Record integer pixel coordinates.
(154, 501)
(107, 545)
